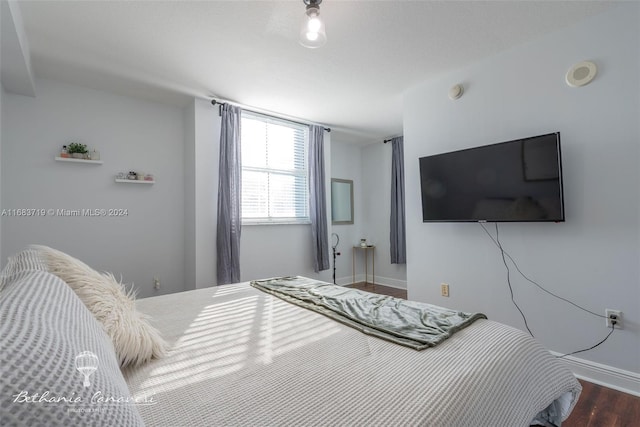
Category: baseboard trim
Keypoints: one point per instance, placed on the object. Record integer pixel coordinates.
(344, 281)
(384, 281)
(604, 375)
(392, 283)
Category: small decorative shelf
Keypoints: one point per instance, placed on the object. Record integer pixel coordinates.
(72, 160)
(134, 181)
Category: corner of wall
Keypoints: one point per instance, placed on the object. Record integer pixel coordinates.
(17, 74)
(1, 204)
(205, 187)
(189, 196)
(376, 182)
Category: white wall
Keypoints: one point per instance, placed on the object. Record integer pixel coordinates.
(376, 187)
(592, 258)
(189, 114)
(202, 136)
(16, 72)
(1, 156)
(207, 152)
(131, 135)
(275, 250)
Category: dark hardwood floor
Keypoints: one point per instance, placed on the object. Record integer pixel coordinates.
(603, 407)
(597, 407)
(380, 289)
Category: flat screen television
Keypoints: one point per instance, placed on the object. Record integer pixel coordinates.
(514, 181)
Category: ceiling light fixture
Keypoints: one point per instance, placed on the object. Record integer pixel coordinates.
(312, 34)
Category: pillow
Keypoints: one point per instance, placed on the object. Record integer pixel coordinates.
(134, 339)
(44, 328)
(21, 263)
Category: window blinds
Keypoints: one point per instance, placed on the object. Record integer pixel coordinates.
(274, 170)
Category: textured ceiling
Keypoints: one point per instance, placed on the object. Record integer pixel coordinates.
(247, 52)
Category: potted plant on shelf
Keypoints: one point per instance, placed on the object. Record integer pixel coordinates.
(77, 150)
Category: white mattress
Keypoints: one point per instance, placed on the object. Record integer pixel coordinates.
(243, 357)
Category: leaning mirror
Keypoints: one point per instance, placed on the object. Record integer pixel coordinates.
(341, 201)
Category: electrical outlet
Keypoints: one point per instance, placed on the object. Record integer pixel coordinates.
(444, 289)
(613, 316)
(156, 283)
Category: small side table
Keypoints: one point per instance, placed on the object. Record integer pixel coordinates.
(366, 250)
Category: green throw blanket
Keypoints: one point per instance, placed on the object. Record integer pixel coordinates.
(412, 324)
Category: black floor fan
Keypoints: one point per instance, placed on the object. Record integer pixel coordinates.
(335, 254)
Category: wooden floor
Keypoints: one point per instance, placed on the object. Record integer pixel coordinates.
(380, 289)
(600, 406)
(597, 407)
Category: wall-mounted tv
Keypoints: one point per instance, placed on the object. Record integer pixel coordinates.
(514, 181)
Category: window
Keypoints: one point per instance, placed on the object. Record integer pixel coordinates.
(274, 170)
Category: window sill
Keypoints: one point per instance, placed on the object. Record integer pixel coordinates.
(251, 223)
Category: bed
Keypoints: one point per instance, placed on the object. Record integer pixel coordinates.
(240, 356)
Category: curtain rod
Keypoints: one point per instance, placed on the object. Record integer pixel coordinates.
(391, 139)
(220, 104)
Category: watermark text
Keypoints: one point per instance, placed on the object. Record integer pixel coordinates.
(63, 212)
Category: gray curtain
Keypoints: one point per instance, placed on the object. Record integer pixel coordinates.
(317, 199)
(229, 197)
(398, 231)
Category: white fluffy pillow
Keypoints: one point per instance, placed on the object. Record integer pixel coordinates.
(134, 339)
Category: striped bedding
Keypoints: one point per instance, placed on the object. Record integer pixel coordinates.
(241, 357)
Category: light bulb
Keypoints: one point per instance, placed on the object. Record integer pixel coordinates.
(312, 33)
(314, 24)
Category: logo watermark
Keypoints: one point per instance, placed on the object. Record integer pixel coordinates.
(87, 363)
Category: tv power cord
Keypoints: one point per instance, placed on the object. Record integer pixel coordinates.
(613, 319)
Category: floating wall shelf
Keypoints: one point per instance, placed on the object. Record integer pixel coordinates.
(72, 160)
(134, 181)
